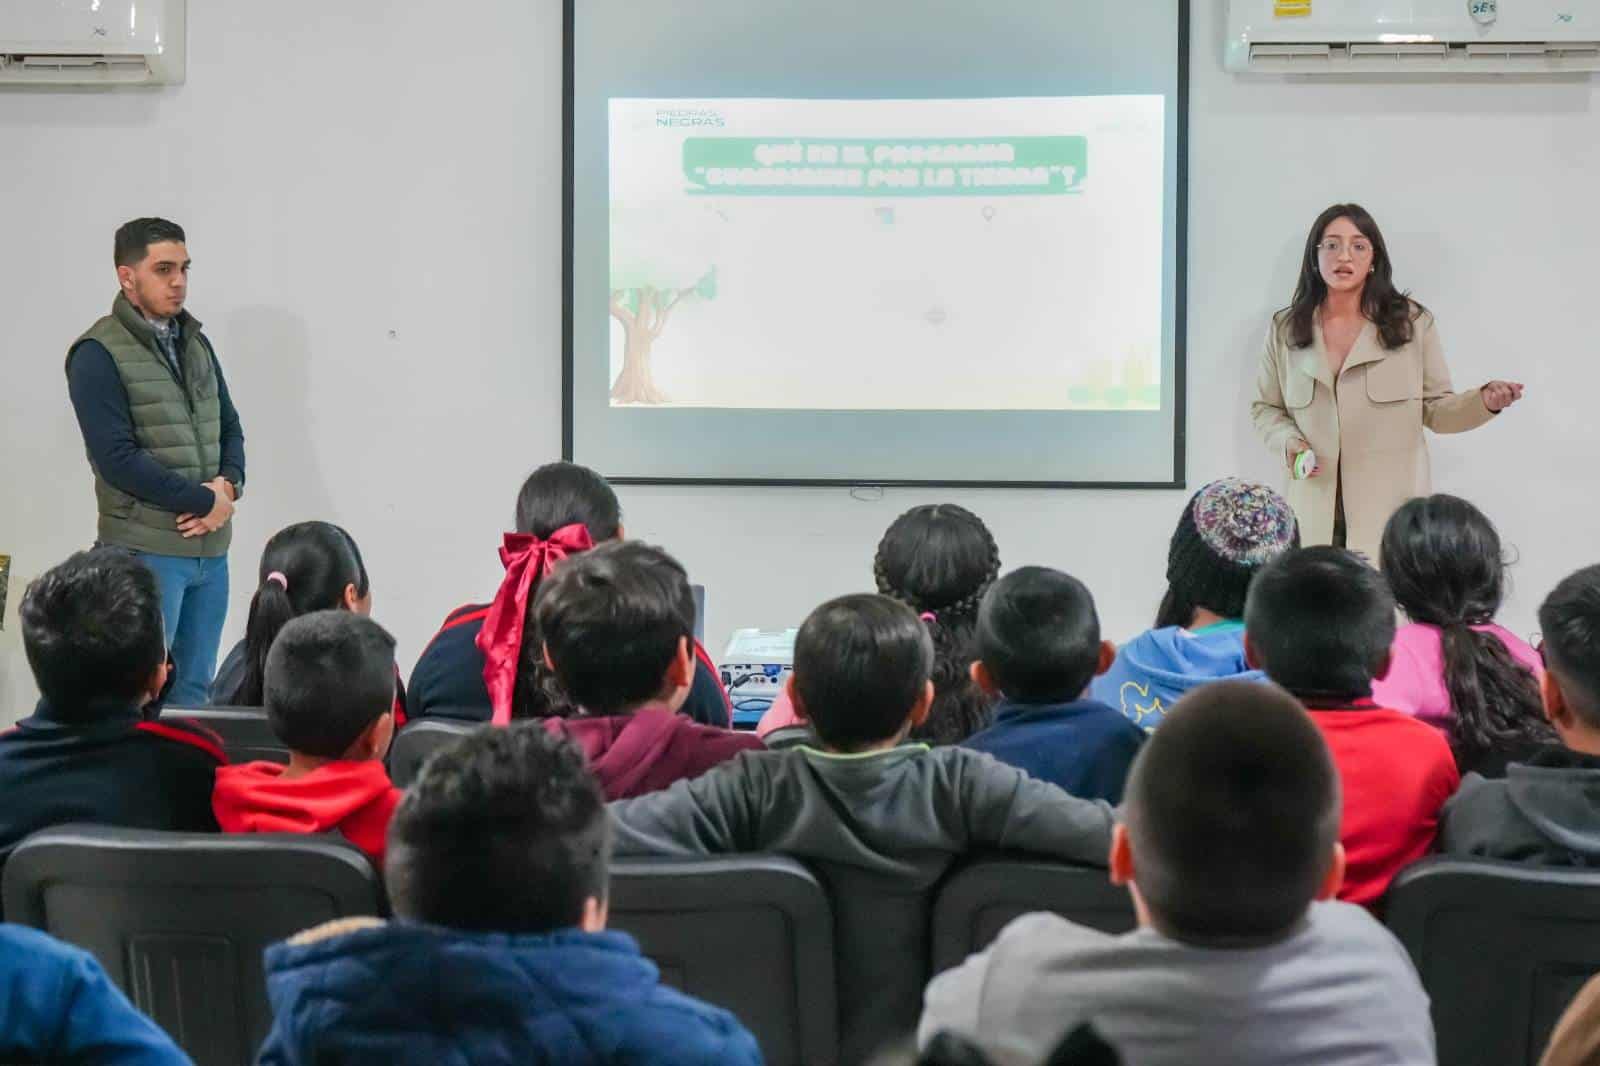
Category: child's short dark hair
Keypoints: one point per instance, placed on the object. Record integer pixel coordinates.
(1569, 618)
(330, 675)
(861, 663)
(505, 831)
(1232, 811)
(92, 630)
(1321, 622)
(612, 620)
(1039, 635)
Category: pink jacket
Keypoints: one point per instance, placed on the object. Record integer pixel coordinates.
(1415, 682)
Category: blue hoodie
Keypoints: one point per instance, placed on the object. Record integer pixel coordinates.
(1157, 667)
(58, 1005)
(360, 990)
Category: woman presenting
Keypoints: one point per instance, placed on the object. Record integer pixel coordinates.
(1353, 370)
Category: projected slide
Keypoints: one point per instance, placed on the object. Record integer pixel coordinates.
(889, 255)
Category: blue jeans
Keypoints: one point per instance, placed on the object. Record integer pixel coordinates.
(194, 604)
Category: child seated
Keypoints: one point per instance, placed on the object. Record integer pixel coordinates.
(309, 566)
(1230, 832)
(58, 1005)
(1038, 648)
(497, 872)
(618, 629)
(486, 663)
(938, 559)
(329, 694)
(1228, 531)
(1547, 808)
(94, 749)
(882, 821)
(1452, 667)
(1320, 622)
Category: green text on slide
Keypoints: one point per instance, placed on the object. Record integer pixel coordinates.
(950, 166)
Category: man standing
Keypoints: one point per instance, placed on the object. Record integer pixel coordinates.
(164, 443)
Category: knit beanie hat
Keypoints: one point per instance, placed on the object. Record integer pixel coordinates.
(1230, 530)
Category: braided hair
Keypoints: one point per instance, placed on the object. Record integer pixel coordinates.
(940, 559)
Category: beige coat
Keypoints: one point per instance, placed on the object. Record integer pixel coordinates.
(1367, 430)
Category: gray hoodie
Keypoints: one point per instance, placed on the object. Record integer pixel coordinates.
(1339, 991)
(1546, 811)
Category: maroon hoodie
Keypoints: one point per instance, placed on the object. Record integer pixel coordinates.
(649, 749)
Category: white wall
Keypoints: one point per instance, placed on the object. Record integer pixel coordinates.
(373, 204)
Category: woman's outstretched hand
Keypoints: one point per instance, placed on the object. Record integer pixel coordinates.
(1498, 395)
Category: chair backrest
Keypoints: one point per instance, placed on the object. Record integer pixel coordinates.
(981, 896)
(246, 736)
(413, 744)
(750, 933)
(699, 612)
(179, 920)
(790, 736)
(1502, 948)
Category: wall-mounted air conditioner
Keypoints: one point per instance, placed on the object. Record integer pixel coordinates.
(1413, 36)
(91, 42)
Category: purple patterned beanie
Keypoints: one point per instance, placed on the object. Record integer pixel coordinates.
(1229, 531)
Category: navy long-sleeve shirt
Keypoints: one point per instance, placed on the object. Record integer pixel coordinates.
(100, 401)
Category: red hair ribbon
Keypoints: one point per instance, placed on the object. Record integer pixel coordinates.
(527, 559)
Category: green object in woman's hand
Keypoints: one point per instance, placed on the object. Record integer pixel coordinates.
(1304, 464)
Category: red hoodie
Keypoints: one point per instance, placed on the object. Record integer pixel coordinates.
(353, 798)
(651, 748)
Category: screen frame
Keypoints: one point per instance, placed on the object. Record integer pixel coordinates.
(1180, 320)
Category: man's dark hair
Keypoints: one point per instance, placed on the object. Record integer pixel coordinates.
(1039, 635)
(92, 630)
(861, 663)
(1232, 809)
(613, 619)
(134, 239)
(504, 831)
(1569, 620)
(1320, 622)
(330, 675)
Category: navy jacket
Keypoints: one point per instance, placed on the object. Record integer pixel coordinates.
(447, 681)
(100, 400)
(106, 765)
(57, 1005)
(1084, 747)
(361, 990)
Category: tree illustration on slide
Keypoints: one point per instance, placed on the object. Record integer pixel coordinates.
(655, 267)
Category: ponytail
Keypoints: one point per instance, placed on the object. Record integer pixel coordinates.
(270, 611)
(1495, 698)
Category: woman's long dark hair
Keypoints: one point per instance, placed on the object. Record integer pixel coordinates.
(556, 495)
(940, 559)
(1392, 311)
(1443, 559)
(318, 561)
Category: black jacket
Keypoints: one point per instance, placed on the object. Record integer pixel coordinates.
(881, 829)
(1546, 811)
(106, 765)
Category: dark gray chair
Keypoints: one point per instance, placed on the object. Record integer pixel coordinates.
(699, 612)
(1502, 948)
(413, 744)
(179, 920)
(751, 933)
(246, 736)
(981, 896)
